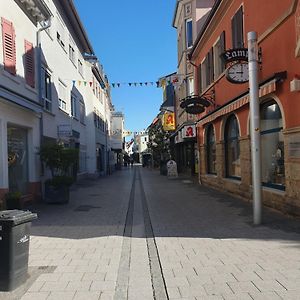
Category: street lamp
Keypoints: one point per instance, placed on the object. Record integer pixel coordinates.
(255, 125)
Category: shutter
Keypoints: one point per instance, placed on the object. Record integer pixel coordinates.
(207, 70)
(233, 32)
(211, 65)
(222, 50)
(240, 28)
(9, 46)
(199, 79)
(29, 64)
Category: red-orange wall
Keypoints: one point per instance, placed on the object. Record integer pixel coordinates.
(278, 54)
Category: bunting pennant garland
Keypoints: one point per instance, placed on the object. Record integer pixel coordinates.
(163, 82)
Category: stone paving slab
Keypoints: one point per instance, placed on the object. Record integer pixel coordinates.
(210, 233)
(207, 246)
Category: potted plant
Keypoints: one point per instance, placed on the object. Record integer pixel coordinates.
(60, 161)
(13, 200)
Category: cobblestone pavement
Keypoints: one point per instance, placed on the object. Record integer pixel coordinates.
(139, 235)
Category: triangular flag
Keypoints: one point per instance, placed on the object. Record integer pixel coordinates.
(85, 83)
(151, 83)
(113, 85)
(141, 83)
(146, 83)
(135, 84)
(91, 82)
(79, 82)
(157, 83)
(73, 82)
(118, 84)
(130, 83)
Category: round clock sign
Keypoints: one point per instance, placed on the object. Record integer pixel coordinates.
(238, 73)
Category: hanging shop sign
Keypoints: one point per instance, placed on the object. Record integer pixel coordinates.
(233, 55)
(169, 121)
(194, 104)
(189, 131)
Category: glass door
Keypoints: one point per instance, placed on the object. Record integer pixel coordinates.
(17, 146)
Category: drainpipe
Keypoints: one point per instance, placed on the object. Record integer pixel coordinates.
(39, 73)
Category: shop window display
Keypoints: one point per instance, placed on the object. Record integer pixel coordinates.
(211, 150)
(232, 148)
(272, 145)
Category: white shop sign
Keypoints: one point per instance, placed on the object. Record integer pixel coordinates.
(172, 169)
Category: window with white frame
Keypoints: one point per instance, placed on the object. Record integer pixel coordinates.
(62, 95)
(73, 106)
(46, 89)
(190, 86)
(80, 67)
(218, 49)
(71, 54)
(82, 111)
(61, 31)
(189, 33)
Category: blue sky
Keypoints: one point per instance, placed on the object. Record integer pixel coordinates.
(135, 42)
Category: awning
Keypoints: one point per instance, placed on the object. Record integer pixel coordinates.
(20, 100)
(266, 88)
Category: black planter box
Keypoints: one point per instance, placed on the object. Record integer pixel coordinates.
(56, 194)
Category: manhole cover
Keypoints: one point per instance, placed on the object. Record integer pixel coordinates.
(85, 207)
(187, 181)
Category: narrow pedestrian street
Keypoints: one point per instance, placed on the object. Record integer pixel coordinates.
(140, 235)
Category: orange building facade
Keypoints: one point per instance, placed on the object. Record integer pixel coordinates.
(223, 129)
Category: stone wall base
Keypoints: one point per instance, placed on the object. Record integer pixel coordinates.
(273, 199)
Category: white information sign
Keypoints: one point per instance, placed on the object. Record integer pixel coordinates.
(172, 169)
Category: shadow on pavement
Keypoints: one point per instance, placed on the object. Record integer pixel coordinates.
(178, 209)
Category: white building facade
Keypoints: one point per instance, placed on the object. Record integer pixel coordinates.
(52, 89)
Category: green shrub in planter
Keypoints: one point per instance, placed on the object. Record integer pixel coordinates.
(13, 200)
(60, 161)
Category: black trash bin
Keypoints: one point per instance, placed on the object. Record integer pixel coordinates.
(14, 247)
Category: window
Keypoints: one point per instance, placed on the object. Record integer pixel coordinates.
(272, 145)
(60, 34)
(73, 106)
(190, 86)
(207, 70)
(189, 33)
(71, 54)
(46, 89)
(237, 28)
(9, 46)
(62, 95)
(80, 67)
(218, 49)
(232, 148)
(82, 111)
(211, 150)
(29, 64)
